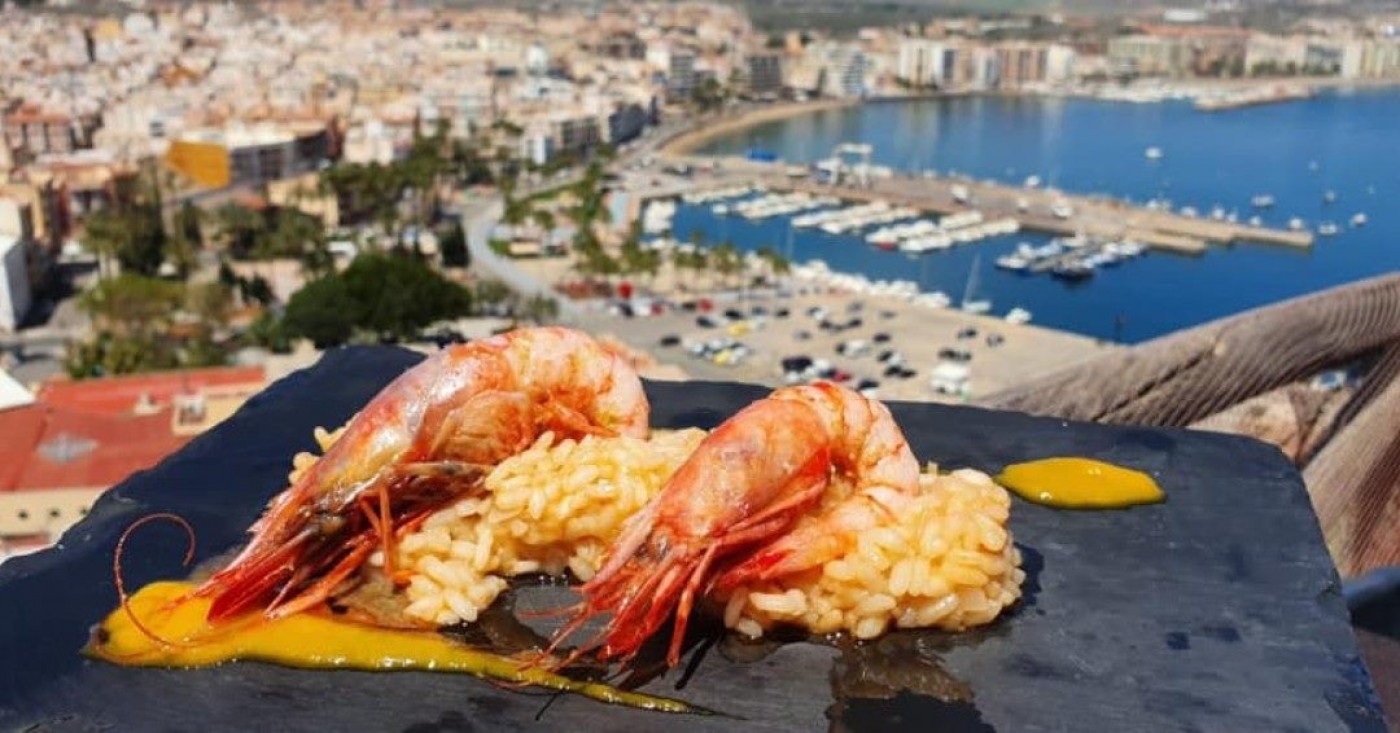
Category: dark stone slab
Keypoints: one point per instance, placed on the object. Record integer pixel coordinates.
(1216, 611)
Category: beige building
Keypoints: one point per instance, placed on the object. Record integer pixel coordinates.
(303, 194)
(1264, 52)
(1148, 55)
(1371, 58)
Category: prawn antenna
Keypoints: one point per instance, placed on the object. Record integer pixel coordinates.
(121, 585)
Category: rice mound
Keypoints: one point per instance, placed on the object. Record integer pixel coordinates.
(947, 563)
(555, 506)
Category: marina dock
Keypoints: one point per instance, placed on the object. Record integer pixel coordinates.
(1035, 209)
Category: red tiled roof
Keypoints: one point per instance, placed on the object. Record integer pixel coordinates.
(49, 447)
(22, 428)
(120, 395)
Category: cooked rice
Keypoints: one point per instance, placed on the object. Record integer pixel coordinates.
(556, 506)
(948, 563)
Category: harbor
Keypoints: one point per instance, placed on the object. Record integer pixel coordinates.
(1247, 218)
(1034, 209)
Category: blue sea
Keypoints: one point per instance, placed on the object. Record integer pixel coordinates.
(1344, 142)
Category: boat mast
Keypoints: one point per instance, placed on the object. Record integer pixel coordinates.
(972, 279)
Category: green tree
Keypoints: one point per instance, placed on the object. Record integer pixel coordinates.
(131, 303)
(708, 95)
(130, 235)
(396, 296)
(145, 323)
(469, 165)
(269, 332)
(491, 293)
(186, 238)
(776, 264)
(322, 311)
(452, 242)
(727, 261)
(242, 231)
(541, 309)
(388, 296)
(297, 235)
(544, 219)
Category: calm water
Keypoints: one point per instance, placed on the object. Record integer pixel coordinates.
(1348, 143)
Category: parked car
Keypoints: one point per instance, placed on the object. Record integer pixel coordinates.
(799, 363)
(967, 333)
(706, 322)
(881, 338)
(670, 340)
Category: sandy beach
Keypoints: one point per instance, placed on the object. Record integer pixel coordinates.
(686, 142)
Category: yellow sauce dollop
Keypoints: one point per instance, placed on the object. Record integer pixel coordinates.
(313, 641)
(1080, 483)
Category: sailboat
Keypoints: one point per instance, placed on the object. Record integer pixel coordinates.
(968, 304)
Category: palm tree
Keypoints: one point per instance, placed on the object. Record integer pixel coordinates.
(728, 261)
(105, 234)
(544, 219)
(776, 264)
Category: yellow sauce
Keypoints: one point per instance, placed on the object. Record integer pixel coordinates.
(1080, 483)
(313, 641)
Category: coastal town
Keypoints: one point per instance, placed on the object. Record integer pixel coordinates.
(198, 199)
(715, 364)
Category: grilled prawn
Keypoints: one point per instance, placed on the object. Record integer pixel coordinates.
(732, 503)
(421, 443)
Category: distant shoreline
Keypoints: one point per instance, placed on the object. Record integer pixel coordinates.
(686, 143)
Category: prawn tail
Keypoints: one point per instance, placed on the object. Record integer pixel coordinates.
(248, 584)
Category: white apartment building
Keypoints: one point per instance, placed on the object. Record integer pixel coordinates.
(843, 70)
(922, 62)
(14, 282)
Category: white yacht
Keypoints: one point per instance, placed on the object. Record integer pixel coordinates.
(1018, 316)
(1153, 153)
(1327, 229)
(1262, 201)
(1014, 262)
(1295, 224)
(1359, 220)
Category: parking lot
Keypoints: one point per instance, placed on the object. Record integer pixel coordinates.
(885, 345)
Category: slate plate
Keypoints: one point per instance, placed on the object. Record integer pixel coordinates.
(1218, 610)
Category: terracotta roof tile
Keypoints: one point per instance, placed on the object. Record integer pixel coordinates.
(63, 448)
(120, 395)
